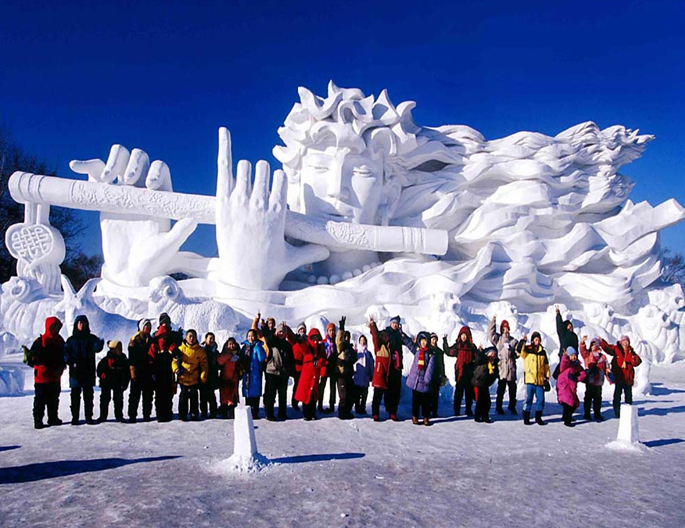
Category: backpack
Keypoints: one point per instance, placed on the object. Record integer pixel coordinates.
(29, 356)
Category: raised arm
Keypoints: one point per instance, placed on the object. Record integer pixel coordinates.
(560, 325)
(609, 349)
(374, 335)
(409, 343)
(492, 331)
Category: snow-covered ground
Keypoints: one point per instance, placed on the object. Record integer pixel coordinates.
(354, 473)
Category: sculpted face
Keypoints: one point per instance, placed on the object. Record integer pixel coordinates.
(341, 183)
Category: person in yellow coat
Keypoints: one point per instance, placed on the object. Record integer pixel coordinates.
(536, 376)
(190, 367)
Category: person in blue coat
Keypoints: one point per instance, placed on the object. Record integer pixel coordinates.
(253, 358)
(421, 376)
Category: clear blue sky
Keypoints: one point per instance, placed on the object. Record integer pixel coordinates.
(76, 77)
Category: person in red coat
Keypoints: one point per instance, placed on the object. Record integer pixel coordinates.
(164, 346)
(623, 369)
(229, 375)
(46, 356)
(465, 351)
(313, 356)
(384, 370)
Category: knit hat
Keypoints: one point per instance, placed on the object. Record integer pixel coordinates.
(302, 326)
(397, 319)
(570, 351)
(329, 326)
(534, 335)
(626, 338)
(434, 335)
(502, 324)
(142, 323)
(164, 319)
(114, 344)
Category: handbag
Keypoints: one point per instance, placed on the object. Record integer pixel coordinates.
(548, 387)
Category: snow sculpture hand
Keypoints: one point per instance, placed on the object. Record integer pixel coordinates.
(250, 225)
(136, 248)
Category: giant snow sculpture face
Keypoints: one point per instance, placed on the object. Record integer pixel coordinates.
(341, 183)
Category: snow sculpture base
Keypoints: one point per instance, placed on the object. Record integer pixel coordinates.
(245, 458)
(628, 438)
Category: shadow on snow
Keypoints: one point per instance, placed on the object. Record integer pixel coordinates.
(9, 448)
(664, 442)
(323, 457)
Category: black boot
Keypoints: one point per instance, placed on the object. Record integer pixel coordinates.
(526, 417)
(538, 418)
(500, 410)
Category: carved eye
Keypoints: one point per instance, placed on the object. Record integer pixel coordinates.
(318, 168)
(364, 171)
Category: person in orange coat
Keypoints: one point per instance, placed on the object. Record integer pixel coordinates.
(623, 369)
(313, 356)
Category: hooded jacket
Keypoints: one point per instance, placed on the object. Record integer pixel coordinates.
(623, 363)
(229, 375)
(162, 350)
(570, 373)
(312, 355)
(191, 365)
(506, 351)
(465, 352)
(596, 365)
(253, 358)
(345, 356)
(422, 373)
(363, 367)
(384, 363)
(114, 371)
(535, 363)
(79, 354)
(48, 355)
(280, 361)
(567, 338)
(139, 360)
(485, 371)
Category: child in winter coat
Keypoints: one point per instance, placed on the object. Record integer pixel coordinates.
(596, 365)
(114, 372)
(253, 359)
(46, 356)
(421, 376)
(570, 373)
(465, 352)
(363, 372)
(208, 390)
(623, 369)
(313, 356)
(506, 353)
(79, 354)
(190, 365)
(485, 373)
(229, 375)
(141, 372)
(536, 376)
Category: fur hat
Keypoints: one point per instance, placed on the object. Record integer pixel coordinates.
(114, 344)
(142, 323)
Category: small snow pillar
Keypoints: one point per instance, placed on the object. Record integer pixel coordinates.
(627, 425)
(244, 440)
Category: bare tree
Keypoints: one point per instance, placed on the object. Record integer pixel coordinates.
(674, 267)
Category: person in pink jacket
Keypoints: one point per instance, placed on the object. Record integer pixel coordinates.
(570, 373)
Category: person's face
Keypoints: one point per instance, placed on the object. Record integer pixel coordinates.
(341, 184)
(147, 328)
(463, 337)
(210, 340)
(362, 341)
(394, 325)
(55, 328)
(233, 346)
(251, 338)
(191, 338)
(316, 338)
(573, 357)
(594, 347)
(80, 326)
(280, 334)
(270, 324)
(569, 327)
(302, 332)
(331, 333)
(505, 329)
(423, 342)
(434, 341)
(625, 344)
(536, 341)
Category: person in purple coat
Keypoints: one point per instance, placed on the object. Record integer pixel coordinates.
(421, 376)
(570, 373)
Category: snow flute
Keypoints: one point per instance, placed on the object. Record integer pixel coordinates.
(128, 200)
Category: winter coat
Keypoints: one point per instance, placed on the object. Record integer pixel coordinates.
(363, 368)
(138, 358)
(570, 373)
(345, 356)
(440, 378)
(395, 346)
(384, 362)
(253, 359)
(567, 338)
(596, 365)
(299, 344)
(422, 373)
(485, 372)
(280, 361)
(506, 352)
(623, 363)
(312, 354)
(162, 350)
(190, 364)
(47, 354)
(229, 374)
(79, 354)
(114, 371)
(535, 363)
(212, 366)
(465, 352)
(330, 367)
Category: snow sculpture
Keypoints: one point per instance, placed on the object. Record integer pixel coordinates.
(245, 458)
(374, 213)
(628, 438)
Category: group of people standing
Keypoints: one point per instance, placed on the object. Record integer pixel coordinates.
(161, 363)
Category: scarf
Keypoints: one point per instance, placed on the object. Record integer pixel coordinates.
(423, 356)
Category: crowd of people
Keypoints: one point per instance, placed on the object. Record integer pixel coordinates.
(161, 364)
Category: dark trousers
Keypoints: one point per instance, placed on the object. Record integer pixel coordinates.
(207, 400)
(164, 399)
(137, 390)
(376, 401)
(420, 401)
(361, 394)
(108, 394)
(463, 388)
(309, 409)
(331, 395)
(593, 400)
(188, 401)
(628, 391)
(567, 414)
(296, 380)
(346, 393)
(276, 384)
(253, 403)
(46, 395)
(394, 392)
(502, 386)
(434, 400)
(226, 411)
(483, 403)
(76, 402)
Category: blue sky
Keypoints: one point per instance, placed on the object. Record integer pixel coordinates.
(163, 76)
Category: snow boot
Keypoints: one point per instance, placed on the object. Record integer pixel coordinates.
(426, 421)
(394, 418)
(599, 418)
(500, 410)
(538, 418)
(39, 425)
(376, 418)
(526, 417)
(414, 420)
(486, 419)
(512, 410)
(587, 416)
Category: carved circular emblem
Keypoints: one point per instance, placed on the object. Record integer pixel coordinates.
(32, 243)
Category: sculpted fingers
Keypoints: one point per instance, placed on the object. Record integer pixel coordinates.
(279, 192)
(138, 166)
(224, 179)
(93, 168)
(159, 177)
(242, 182)
(117, 162)
(260, 190)
(299, 256)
